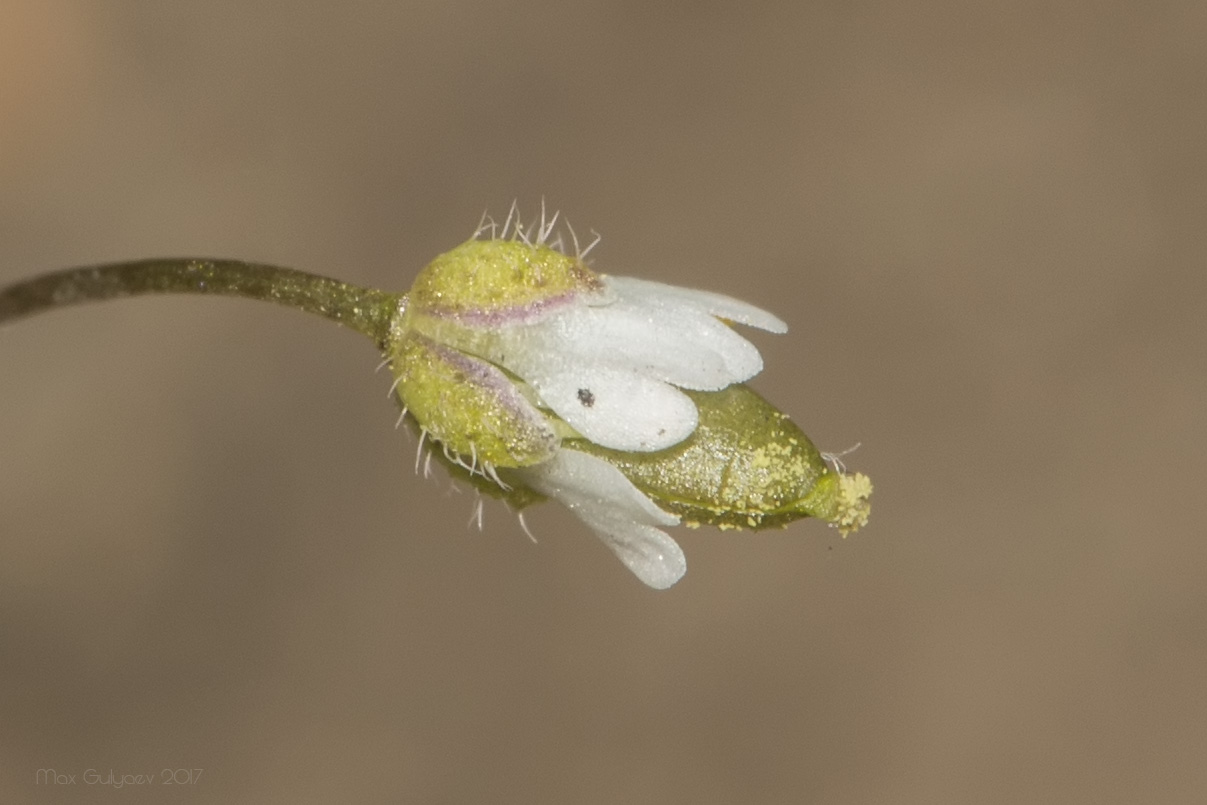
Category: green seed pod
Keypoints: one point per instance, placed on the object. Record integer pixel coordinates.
(746, 466)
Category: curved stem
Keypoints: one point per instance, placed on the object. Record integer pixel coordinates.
(365, 310)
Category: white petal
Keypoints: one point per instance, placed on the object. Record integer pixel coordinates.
(679, 344)
(651, 554)
(675, 344)
(725, 307)
(618, 409)
(615, 510)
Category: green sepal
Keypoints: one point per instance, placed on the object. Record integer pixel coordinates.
(473, 408)
(484, 277)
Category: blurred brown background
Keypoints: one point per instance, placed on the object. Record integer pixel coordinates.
(984, 223)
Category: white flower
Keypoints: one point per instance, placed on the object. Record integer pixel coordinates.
(594, 359)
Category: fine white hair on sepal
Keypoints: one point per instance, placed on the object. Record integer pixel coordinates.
(476, 516)
(622, 517)
(419, 449)
(835, 459)
(542, 231)
(524, 525)
(715, 304)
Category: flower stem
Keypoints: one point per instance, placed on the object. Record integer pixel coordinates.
(365, 310)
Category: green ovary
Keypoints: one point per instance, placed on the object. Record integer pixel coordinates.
(746, 466)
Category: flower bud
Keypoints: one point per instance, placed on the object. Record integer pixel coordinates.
(606, 359)
(620, 398)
